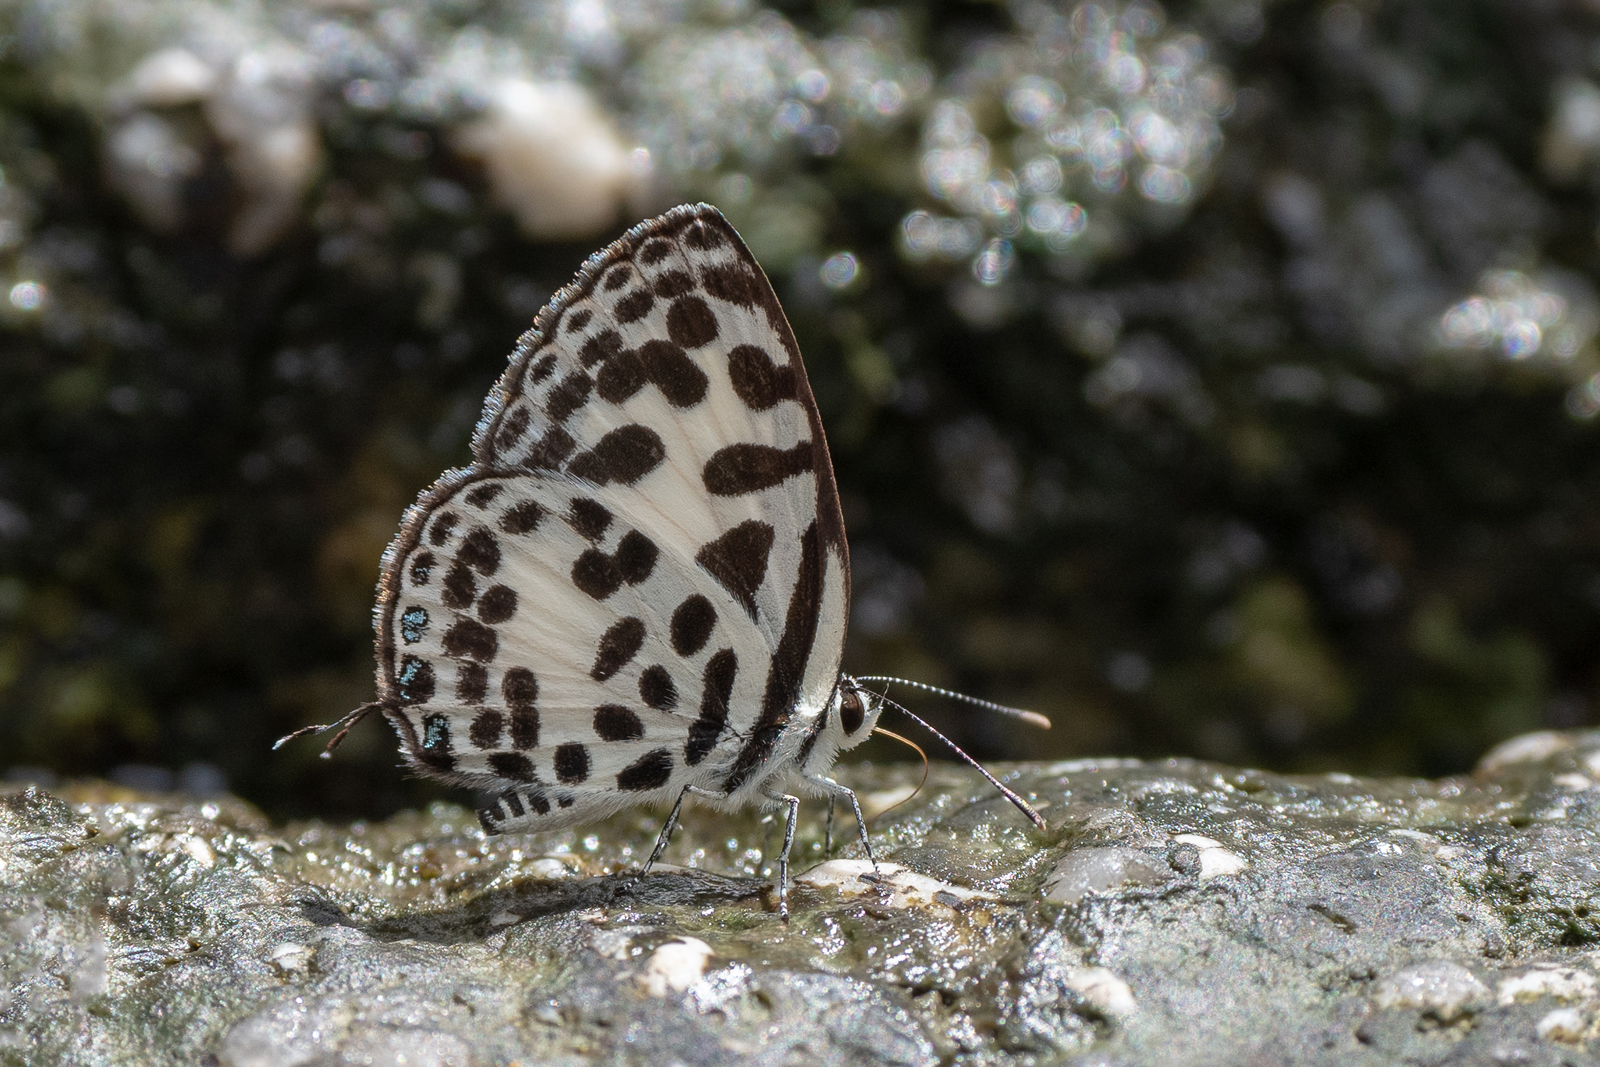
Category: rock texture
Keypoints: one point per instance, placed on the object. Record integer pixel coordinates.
(1175, 913)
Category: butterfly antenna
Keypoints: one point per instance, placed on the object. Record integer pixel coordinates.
(1032, 718)
(1010, 794)
(918, 748)
(346, 724)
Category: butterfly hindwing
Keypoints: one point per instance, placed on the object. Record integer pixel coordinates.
(642, 578)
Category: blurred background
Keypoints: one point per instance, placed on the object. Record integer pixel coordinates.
(1218, 377)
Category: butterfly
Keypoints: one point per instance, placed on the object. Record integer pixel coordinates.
(637, 591)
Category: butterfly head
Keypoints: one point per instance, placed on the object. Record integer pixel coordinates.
(854, 713)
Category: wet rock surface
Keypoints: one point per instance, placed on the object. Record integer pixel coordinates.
(1175, 913)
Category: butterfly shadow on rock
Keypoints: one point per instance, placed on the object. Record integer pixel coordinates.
(487, 913)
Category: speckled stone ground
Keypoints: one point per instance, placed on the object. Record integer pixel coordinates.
(1175, 913)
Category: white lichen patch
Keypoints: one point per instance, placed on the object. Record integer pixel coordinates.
(1547, 980)
(896, 886)
(1103, 989)
(1564, 1024)
(1440, 988)
(675, 966)
(1215, 860)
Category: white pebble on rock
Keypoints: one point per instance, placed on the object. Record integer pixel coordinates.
(1103, 989)
(1215, 860)
(675, 966)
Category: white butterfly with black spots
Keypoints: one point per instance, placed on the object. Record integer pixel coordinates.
(638, 590)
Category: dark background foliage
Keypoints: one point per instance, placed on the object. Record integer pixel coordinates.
(1222, 491)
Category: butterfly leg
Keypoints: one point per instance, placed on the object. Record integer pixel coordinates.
(834, 789)
(827, 831)
(670, 825)
(793, 804)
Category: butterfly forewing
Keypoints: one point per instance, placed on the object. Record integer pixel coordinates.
(642, 579)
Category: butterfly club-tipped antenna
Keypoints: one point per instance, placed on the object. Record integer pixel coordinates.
(345, 725)
(1027, 716)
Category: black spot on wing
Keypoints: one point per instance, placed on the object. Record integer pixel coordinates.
(521, 518)
(757, 379)
(656, 688)
(442, 528)
(620, 643)
(482, 495)
(635, 306)
(472, 682)
(691, 322)
(671, 283)
(481, 551)
(542, 369)
(650, 771)
(670, 369)
(748, 468)
(624, 455)
(738, 560)
(636, 557)
(733, 282)
(703, 236)
(487, 727)
(520, 689)
(571, 763)
(512, 765)
(568, 396)
(497, 604)
(436, 751)
(716, 691)
(514, 427)
(551, 450)
(460, 587)
(692, 622)
(600, 348)
(600, 575)
(596, 573)
(613, 722)
(589, 518)
(471, 639)
(413, 624)
(622, 376)
(422, 568)
(414, 680)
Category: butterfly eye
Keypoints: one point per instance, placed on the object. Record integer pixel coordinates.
(852, 712)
